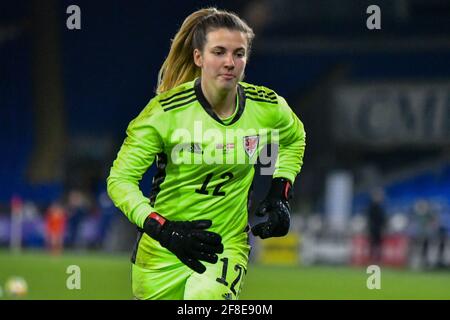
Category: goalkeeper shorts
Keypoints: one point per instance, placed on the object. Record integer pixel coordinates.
(221, 281)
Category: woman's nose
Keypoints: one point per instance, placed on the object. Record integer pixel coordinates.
(229, 62)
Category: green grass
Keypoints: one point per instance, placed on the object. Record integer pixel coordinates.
(319, 282)
(102, 276)
(108, 277)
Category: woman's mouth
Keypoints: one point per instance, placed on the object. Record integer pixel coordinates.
(228, 76)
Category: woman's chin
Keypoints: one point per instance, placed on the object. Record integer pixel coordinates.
(227, 84)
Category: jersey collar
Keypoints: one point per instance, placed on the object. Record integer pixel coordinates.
(207, 107)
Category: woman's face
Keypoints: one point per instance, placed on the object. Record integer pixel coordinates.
(223, 58)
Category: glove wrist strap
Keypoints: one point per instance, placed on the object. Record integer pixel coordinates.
(160, 219)
(154, 224)
(281, 188)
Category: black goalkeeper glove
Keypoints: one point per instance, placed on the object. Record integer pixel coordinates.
(188, 240)
(276, 206)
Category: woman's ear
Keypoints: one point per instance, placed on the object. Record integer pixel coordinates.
(198, 59)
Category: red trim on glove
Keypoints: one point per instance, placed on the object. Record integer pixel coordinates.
(286, 189)
(158, 218)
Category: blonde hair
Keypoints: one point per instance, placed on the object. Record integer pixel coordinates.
(179, 66)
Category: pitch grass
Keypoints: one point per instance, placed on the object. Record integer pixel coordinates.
(106, 276)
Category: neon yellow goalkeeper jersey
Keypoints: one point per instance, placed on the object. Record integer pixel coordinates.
(205, 165)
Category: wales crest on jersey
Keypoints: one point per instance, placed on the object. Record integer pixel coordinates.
(250, 145)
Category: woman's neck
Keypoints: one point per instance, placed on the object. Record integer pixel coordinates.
(222, 102)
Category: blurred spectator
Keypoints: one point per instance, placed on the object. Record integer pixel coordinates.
(77, 211)
(107, 214)
(55, 223)
(426, 225)
(258, 14)
(442, 239)
(376, 222)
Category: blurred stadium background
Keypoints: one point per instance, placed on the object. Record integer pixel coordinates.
(376, 108)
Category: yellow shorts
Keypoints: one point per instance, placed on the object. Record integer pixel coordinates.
(221, 281)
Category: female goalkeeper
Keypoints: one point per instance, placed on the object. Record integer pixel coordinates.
(205, 128)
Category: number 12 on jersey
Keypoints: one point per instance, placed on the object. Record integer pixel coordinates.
(227, 176)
